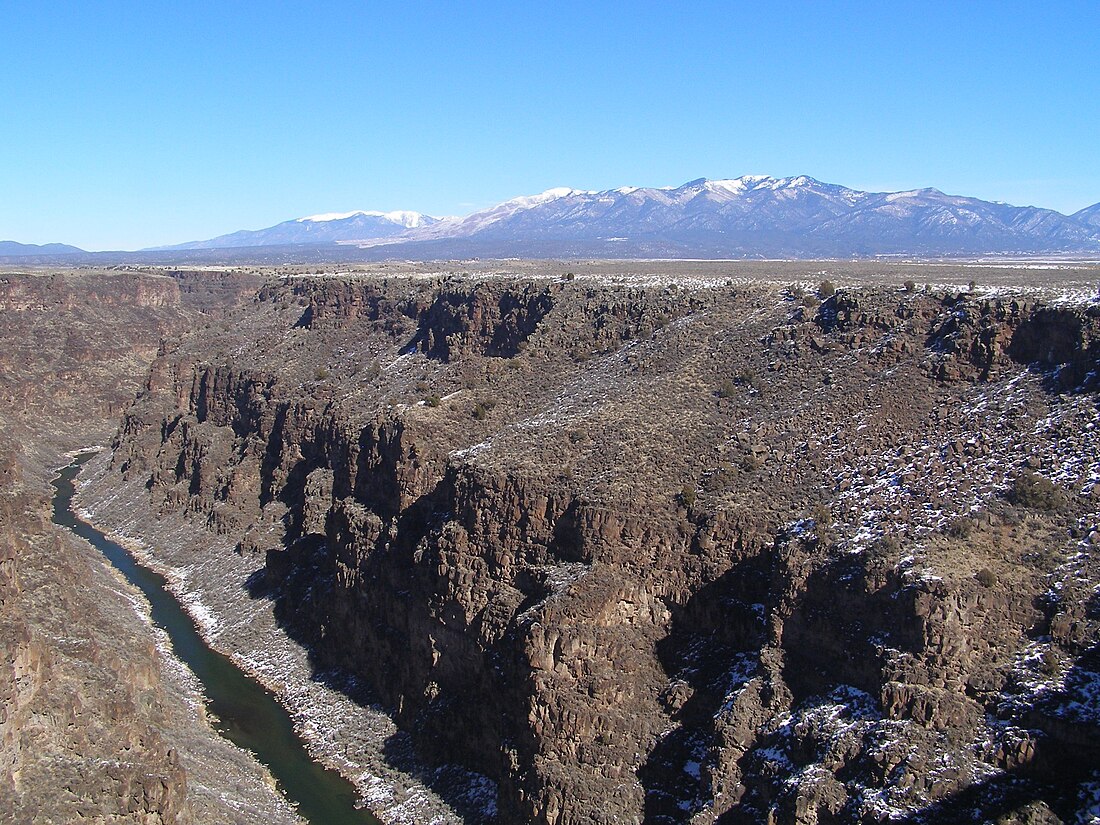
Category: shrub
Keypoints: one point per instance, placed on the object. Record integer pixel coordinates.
(885, 547)
(809, 301)
(726, 389)
(720, 479)
(910, 286)
(823, 522)
(960, 528)
(322, 373)
(881, 553)
(986, 577)
(483, 408)
(433, 400)
(687, 496)
(1036, 492)
(826, 289)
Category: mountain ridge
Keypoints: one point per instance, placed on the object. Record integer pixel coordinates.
(749, 216)
(325, 228)
(15, 249)
(1090, 215)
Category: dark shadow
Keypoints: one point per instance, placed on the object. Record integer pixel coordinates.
(464, 791)
(271, 454)
(306, 319)
(371, 618)
(257, 585)
(1058, 342)
(569, 532)
(825, 639)
(991, 798)
(711, 651)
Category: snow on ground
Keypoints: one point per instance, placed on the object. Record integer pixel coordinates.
(211, 584)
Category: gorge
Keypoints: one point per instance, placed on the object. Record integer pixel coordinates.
(605, 542)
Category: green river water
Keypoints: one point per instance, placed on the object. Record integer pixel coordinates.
(243, 710)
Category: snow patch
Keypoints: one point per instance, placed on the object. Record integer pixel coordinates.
(410, 220)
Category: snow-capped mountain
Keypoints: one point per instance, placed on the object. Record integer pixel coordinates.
(757, 215)
(750, 216)
(331, 227)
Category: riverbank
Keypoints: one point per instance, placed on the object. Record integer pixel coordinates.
(242, 711)
(211, 581)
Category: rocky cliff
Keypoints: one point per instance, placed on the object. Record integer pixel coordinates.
(669, 549)
(77, 739)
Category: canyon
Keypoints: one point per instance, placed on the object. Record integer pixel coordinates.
(100, 723)
(567, 542)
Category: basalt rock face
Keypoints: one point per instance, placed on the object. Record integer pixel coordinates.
(983, 337)
(76, 346)
(666, 552)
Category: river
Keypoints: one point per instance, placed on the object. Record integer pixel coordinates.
(243, 710)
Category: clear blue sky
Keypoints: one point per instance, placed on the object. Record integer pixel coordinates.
(130, 124)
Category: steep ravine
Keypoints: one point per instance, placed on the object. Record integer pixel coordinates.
(660, 551)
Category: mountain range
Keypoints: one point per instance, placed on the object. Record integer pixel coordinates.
(333, 227)
(750, 216)
(14, 249)
(754, 216)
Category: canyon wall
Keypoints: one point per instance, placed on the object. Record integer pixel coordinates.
(668, 550)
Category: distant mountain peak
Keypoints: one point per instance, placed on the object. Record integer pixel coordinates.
(1089, 216)
(14, 249)
(558, 192)
(751, 183)
(405, 218)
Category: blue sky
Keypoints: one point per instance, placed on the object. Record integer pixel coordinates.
(134, 124)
